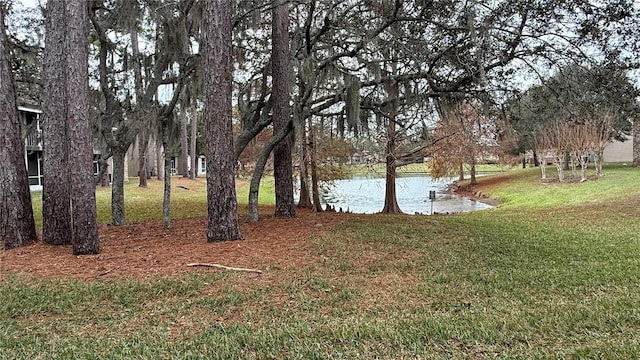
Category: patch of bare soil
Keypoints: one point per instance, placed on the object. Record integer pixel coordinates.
(145, 249)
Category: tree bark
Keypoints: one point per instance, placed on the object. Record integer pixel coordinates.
(83, 193)
(194, 135)
(254, 187)
(159, 160)
(184, 149)
(117, 188)
(166, 199)
(17, 226)
(56, 202)
(315, 190)
(390, 196)
(221, 191)
(304, 201)
(636, 143)
(472, 174)
(283, 167)
(143, 157)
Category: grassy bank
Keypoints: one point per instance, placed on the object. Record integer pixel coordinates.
(552, 273)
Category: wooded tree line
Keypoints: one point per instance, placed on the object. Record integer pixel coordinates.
(424, 79)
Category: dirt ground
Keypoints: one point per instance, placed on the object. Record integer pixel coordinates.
(144, 249)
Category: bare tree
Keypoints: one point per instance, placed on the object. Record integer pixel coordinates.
(221, 193)
(542, 147)
(17, 226)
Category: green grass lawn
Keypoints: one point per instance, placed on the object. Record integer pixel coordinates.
(146, 203)
(552, 273)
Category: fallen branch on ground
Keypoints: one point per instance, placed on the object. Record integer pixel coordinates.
(217, 266)
(108, 271)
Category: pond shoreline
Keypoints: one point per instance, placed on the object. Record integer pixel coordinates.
(470, 192)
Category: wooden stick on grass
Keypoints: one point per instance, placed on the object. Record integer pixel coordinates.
(217, 266)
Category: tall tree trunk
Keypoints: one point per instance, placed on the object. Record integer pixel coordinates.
(304, 200)
(472, 174)
(221, 191)
(159, 160)
(17, 226)
(83, 193)
(117, 188)
(104, 178)
(166, 199)
(390, 196)
(315, 190)
(194, 135)
(56, 202)
(143, 157)
(283, 171)
(184, 149)
(636, 143)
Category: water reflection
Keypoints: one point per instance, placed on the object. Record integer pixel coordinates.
(365, 195)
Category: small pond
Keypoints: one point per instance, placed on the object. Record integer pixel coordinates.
(365, 195)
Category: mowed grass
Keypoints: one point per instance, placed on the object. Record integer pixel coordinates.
(188, 199)
(552, 273)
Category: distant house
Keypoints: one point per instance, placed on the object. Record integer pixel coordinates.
(30, 118)
(617, 151)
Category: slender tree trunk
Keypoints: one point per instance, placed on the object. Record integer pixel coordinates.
(636, 143)
(315, 190)
(143, 158)
(254, 186)
(283, 171)
(472, 175)
(221, 191)
(543, 168)
(56, 201)
(583, 170)
(159, 160)
(184, 149)
(104, 178)
(17, 226)
(194, 135)
(559, 161)
(461, 172)
(83, 192)
(390, 197)
(304, 201)
(598, 164)
(166, 199)
(117, 188)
